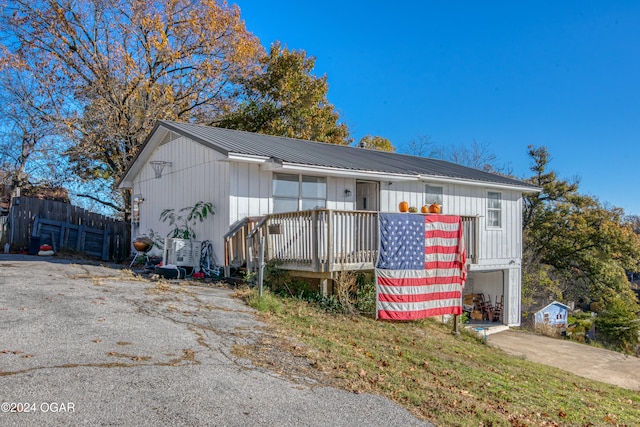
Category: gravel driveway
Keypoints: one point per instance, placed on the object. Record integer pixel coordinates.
(89, 345)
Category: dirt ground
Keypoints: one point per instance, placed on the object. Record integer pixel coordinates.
(584, 360)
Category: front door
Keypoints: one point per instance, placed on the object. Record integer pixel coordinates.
(367, 195)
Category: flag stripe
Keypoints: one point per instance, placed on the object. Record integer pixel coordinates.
(446, 257)
(417, 314)
(442, 242)
(444, 234)
(397, 277)
(424, 305)
(443, 265)
(418, 290)
(439, 250)
(419, 298)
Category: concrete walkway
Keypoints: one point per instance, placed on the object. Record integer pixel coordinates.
(584, 360)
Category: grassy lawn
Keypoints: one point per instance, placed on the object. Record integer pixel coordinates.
(449, 380)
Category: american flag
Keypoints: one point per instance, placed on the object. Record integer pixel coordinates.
(421, 266)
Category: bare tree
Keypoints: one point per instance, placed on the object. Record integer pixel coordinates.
(477, 155)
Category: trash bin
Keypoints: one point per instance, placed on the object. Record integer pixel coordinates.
(34, 245)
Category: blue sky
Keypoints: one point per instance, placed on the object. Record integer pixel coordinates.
(565, 75)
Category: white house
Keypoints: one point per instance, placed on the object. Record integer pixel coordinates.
(318, 200)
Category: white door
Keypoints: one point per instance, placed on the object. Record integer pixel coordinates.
(367, 196)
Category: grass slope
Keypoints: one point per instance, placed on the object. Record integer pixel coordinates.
(449, 380)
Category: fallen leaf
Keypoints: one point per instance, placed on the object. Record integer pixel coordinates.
(363, 373)
(97, 340)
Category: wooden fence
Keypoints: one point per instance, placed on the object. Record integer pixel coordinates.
(66, 226)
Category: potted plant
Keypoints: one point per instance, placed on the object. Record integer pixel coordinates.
(186, 218)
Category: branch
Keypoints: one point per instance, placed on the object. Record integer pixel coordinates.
(111, 205)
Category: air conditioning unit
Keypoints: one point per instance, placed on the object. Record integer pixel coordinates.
(181, 252)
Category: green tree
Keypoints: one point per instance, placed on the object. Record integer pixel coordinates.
(285, 99)
(376, 143)
(575, 248)
(617, 324)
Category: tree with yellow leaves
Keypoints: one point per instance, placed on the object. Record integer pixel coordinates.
(114, 67)
(376, 143)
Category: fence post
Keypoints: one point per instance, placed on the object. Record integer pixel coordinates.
(105, 244)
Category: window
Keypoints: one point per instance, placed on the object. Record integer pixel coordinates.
(298, 192)
(494, 209)
(545, 316)
(432, 195)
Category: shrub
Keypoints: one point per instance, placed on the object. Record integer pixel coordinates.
(617, 325)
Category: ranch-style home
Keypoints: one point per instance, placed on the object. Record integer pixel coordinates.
(314, 205)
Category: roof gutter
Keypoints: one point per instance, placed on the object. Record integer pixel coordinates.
(272, 163)
(484, 184)
(350, 173)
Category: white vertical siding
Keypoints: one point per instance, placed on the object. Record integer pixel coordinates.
(196, 174)
(498, 246)
(251, 189)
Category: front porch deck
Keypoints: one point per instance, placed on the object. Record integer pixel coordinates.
(316, 243)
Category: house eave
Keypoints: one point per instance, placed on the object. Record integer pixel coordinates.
(329, 171)
(484, 184)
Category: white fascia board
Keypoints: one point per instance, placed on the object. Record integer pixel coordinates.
(328, 171)
(485, 184)
(269, 163)
(245, 158)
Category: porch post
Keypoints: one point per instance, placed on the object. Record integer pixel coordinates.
(324, 286)
(315, 241)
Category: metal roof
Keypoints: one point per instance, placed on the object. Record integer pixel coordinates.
(310, 153)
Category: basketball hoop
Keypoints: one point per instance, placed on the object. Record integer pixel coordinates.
(158, 167)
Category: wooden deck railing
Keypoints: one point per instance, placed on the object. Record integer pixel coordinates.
(319, 240)
(323, 240)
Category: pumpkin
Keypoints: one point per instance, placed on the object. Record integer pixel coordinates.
(413, 209)
(434, 208)
(404, 207)
(424, 209)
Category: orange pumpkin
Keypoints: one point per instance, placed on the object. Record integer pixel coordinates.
(424, 209)
(434, 208)
(404, 207)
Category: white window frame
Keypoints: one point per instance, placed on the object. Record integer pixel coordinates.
(300, 197)
(491, 209)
